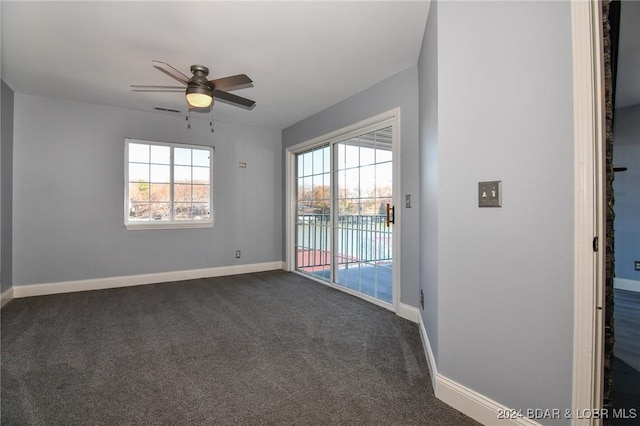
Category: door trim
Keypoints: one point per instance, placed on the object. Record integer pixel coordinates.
(588, 103)
(393, 118)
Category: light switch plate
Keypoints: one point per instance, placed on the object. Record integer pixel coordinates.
(490, 194)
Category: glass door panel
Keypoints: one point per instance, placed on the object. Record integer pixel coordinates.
(313, 212)
(363, 258)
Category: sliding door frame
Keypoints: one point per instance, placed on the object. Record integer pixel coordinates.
(389, 118)
(589, 209)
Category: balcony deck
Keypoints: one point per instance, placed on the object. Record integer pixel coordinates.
(371, 278)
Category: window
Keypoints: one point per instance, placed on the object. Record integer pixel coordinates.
(167, 185)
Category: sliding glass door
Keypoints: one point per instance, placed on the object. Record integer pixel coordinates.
(345, 214)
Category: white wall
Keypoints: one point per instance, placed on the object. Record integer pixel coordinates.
(6, 188)
(68, 194)
(399, 90)
(504, 275)
(429, 182)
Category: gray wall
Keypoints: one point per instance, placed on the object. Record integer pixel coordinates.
(626, 152)
(396, 91)
(428, 89)
(68, 194)
(504, 275)
(6, 188)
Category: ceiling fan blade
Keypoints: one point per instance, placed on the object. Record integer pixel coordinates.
(145, 88)
(233, 82)
(233, 99)
(171, 72)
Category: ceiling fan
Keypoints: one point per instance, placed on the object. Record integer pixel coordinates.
(199, 91)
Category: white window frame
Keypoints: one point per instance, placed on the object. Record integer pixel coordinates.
(171, 224)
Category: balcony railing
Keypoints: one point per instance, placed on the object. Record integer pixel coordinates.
(360, 239)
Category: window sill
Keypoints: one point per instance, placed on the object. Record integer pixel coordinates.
(141, 226)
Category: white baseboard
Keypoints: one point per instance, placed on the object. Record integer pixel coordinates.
(476, 405)
(431, 360)
(133, 280)
(463, 399)
(408, 312)
(6, 296)
(625, 284)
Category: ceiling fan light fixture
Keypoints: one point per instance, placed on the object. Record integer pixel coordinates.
(199, 97)
(199, 91)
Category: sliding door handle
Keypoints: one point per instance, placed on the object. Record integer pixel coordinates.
(391, 215)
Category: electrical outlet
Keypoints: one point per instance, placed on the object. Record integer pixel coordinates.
(636, 265)
(238, 253)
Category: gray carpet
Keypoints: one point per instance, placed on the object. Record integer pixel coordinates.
(270, 348)
(625, 393)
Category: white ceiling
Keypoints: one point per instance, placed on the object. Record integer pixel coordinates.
(302, 56)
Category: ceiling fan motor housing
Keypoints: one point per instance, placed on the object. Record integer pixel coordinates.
(200, 73)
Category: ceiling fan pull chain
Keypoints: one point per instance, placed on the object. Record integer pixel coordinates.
(188, 122)
(211, 121)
